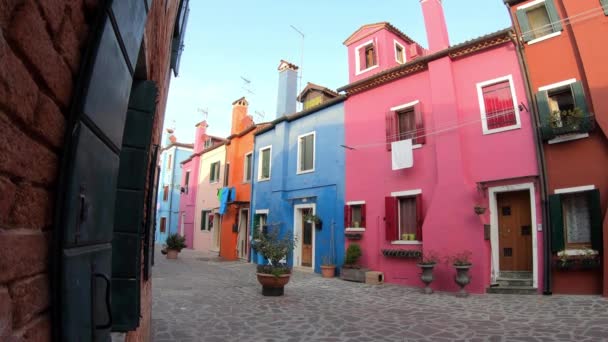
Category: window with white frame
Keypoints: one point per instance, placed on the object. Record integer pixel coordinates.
(214, 172)
(404, 217)
(206, 220)
(354, 215)
(538, 20)
(399, 53)
(563, 109)
(248, 167)
(208, 143)
(366, 57)
(498, 105)
(306, 153)
(265, 163)
(407, 222)
(576, 219)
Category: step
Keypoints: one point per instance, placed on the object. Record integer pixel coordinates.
(515, 274)
(509, 282)
(521, 290)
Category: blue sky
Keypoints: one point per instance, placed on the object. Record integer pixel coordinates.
(227, 40)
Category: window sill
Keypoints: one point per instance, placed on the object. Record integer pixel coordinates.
(263, 180)
(214, 182)
(568, 137)
(366, 70)
(501, 129)
(305, 172)
(355, 229)
(577, 251)
(403, 242)
(549, 36)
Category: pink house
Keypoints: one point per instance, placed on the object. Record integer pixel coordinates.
(455, 122)
(189, 181)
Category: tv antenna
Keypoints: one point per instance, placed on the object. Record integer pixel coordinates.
(247, 85)
(204, 112)
(301, 58)
(260, 114)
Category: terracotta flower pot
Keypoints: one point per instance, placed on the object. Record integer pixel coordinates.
(328, 271)
(172, 254)
(273, 285)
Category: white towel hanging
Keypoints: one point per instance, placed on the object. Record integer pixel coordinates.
(402, 154)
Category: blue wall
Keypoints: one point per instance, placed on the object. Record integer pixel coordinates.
(171, 177)
(324, 186)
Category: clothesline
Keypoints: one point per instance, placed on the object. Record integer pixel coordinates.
(596, 11)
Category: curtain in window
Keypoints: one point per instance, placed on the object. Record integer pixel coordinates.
(406, 124)
(576, 218)
(407, 216)
(498, 102)
(540, 24)
(266, 163)
(306, 152)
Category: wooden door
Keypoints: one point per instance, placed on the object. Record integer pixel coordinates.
(515, 231)
(242, 247)
(306, 239)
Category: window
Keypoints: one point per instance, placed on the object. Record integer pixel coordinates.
(498, 105)
(354, 215)
(166, 193)
(576, 219)
(366, 57)
(248, 170)
(260, 221)
(226, 174)
(265, 164)
(404, 216)
(206, 220)
(563, 109)
(604, 4)
(405, 122)
(399, 53)
(214, 173)
(208, 143)
(169, 161)
(538, 20)
(163, 224)
(306, 153)
(187, 181)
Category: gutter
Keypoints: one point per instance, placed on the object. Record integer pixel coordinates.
(540, 159)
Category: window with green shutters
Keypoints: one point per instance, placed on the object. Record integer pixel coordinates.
(214, 172)
(563, 110)
(539, 20)
(306, 153)
(265, 164)
(576, 220)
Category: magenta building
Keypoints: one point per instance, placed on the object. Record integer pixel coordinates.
(430, 134)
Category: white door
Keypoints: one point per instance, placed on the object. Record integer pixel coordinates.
(215, 230)
(242, 248)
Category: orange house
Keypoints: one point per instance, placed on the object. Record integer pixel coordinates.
(563, 48)
(234, 243)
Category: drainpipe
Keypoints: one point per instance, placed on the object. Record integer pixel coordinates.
(540, 158)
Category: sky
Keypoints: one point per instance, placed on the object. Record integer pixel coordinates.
(230, 39)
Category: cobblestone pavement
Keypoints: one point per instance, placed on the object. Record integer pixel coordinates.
(199, 298)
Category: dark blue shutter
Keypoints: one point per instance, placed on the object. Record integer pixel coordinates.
(556, 217)
(179, 33)
(128, 219)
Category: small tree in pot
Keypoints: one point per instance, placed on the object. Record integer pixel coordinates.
(173, 245)
(462, 263)
(427, 262)
(351, 271)
(274, 248)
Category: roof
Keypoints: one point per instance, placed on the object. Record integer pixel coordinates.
(177, 144)
(512, 2)
(419, 64)
(208, 149)
(373, 28)
(242, 101)
(285, 65)
(311, 86)
(270, 125)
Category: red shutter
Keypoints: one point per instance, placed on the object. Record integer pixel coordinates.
(420, 132)
(390, 218)
(391, 128)
(347, 216)
(363, 216)
(362, 59)
(376, 61)
(419, 217)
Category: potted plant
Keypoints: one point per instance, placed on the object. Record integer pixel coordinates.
(312, 218)
(351, 271)
(427, 262)
(328, 268)
(462, 263)
(173, 245)
(479, 209)
(273, 247)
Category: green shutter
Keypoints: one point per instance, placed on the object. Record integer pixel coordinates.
(553, 15)
(595, 213)
(556, 218)
(202, 220)
(604, 4)
(580, 102)
(128, 219)
(544, 113)
(524, 26)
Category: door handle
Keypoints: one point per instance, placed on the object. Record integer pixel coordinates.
(108, 305)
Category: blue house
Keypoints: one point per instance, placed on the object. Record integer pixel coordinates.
(167, 201)
(298, 170)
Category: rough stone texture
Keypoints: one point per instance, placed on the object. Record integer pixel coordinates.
(49, 122)
(8, 190)
(6, 318)
(69, 46)
(30, 297)
(22, 253)
(38, 330)
(197, 298)
(32, 208)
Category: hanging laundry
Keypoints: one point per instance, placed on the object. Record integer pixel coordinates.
(224, 196)
(401, 154)
(232, 194)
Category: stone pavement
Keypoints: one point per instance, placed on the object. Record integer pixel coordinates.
(199, 298)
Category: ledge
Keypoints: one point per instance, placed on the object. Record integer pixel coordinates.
(359, 229)
(402, 253)
(406, 242)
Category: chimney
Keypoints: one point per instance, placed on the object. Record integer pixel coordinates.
(240, 119)
(288, 88)
(200, 135)
(434, 21)
(171, 139)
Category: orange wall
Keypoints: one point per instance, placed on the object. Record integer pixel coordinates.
(584, 161)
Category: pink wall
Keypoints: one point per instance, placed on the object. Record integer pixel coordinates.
(446, 169)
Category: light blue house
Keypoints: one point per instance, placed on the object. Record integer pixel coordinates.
(298, 170)
(167, 201)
